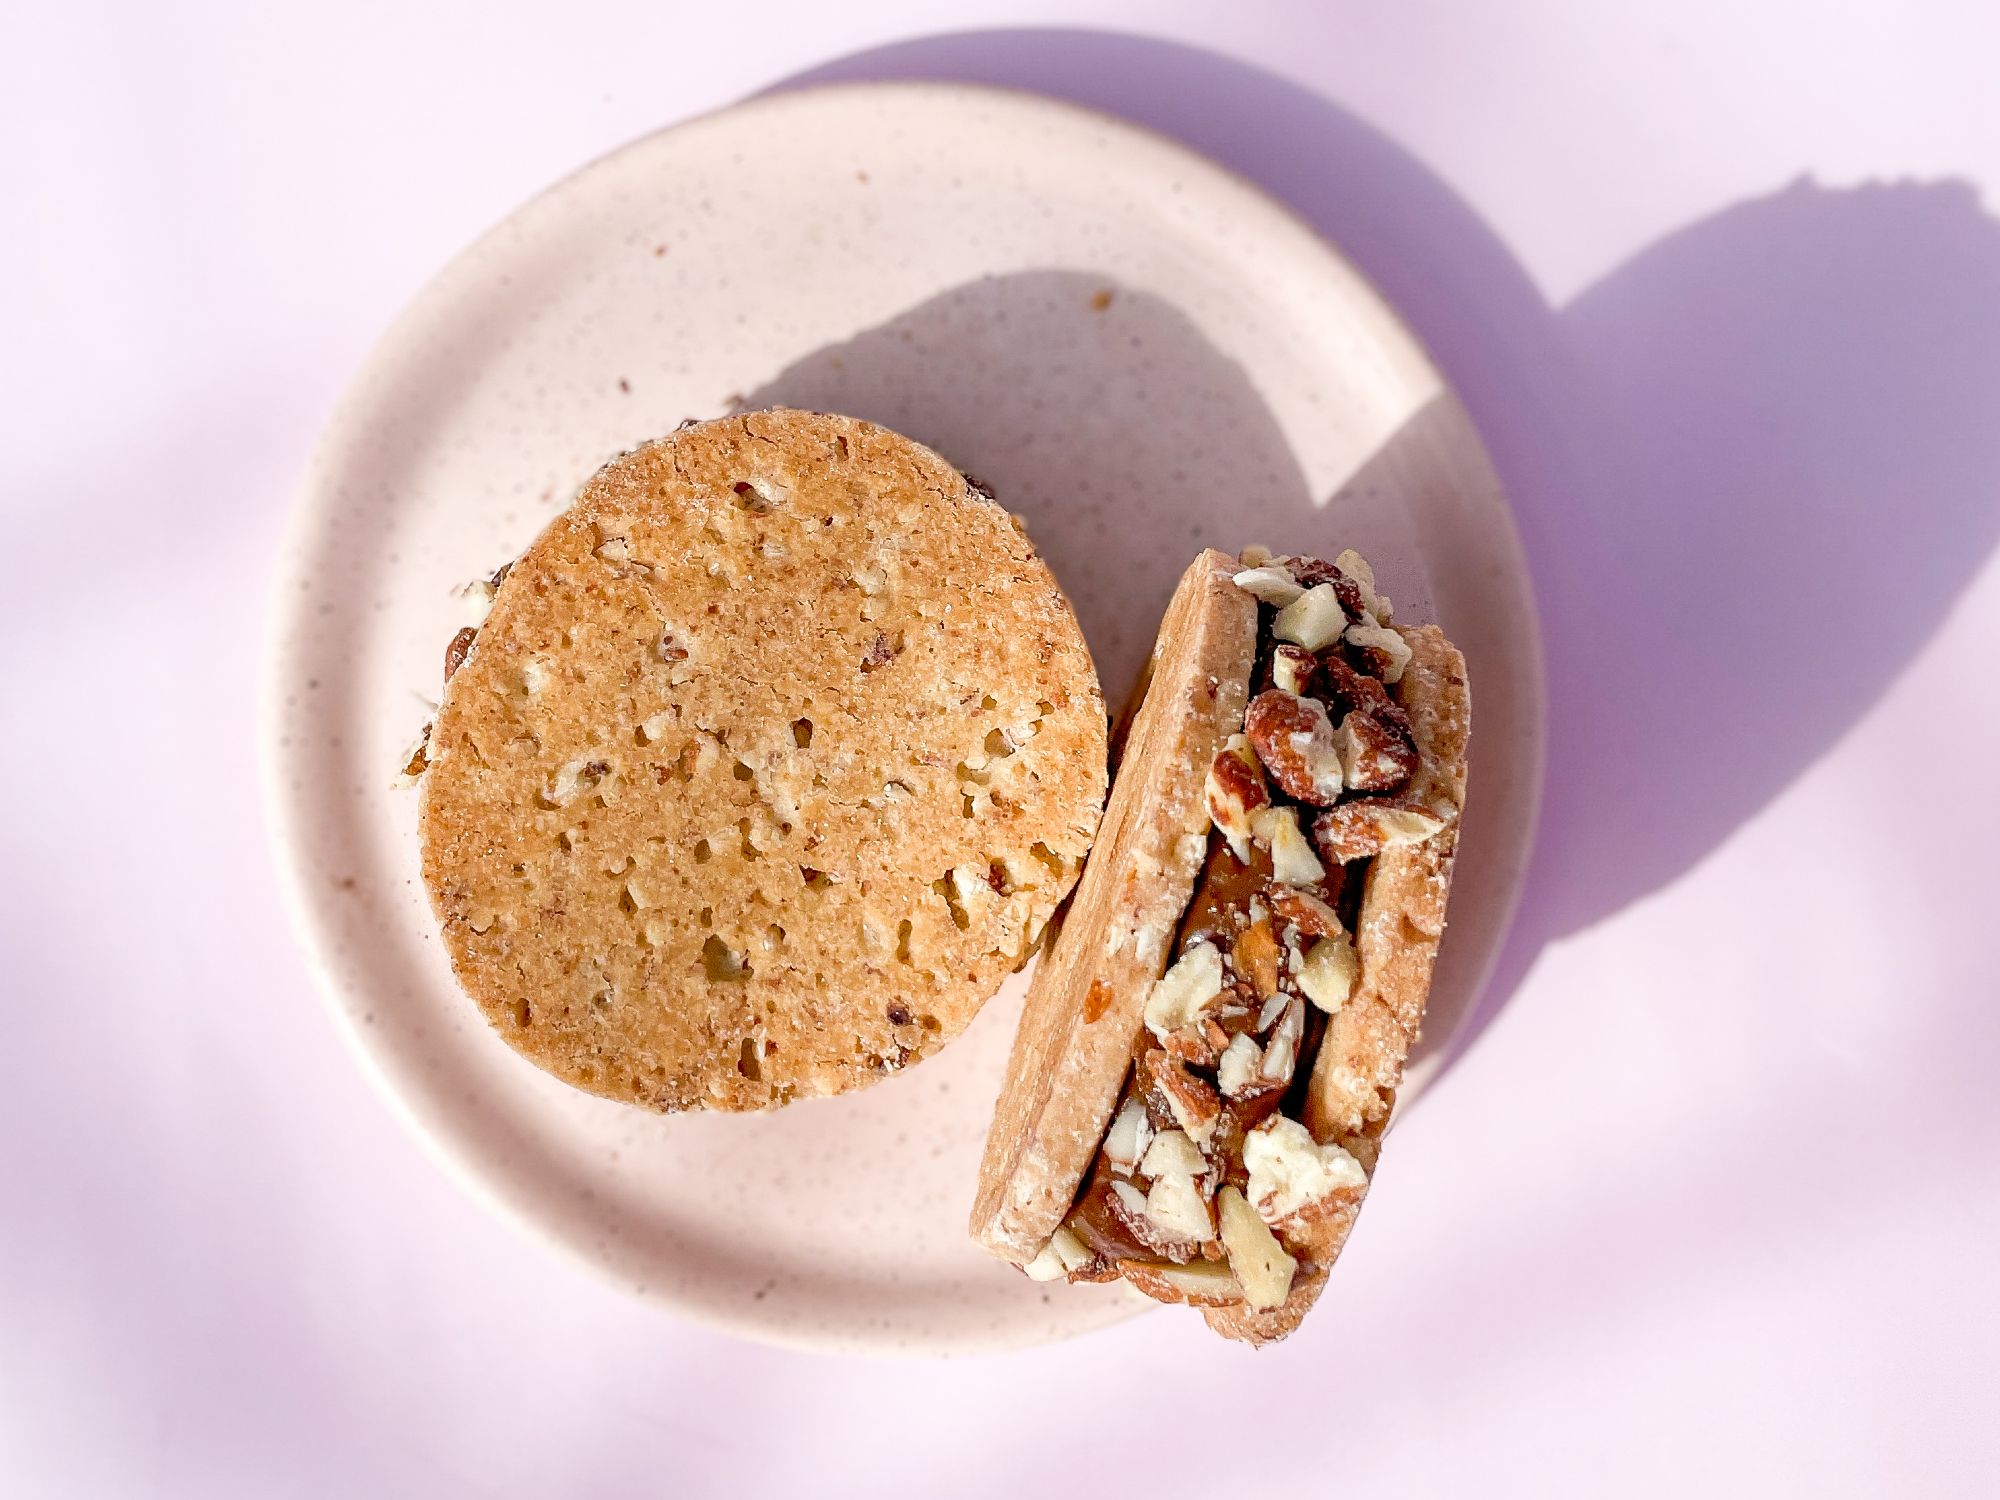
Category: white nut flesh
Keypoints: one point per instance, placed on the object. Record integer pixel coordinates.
(1289, 1171)
(1292, 859)
(1185, 991)
(1291, 668)
(1047, 1265)
(1314, 620)
(1281, 1055)
(1070, 1250)
(1262, 1265)
(1173, 1153)
(1269, 585)
(1176, 1206)
(1126, 1141)
(1329, 972)
(1236, 790)
(1381, 638)
(1241, 1061)
(476, 601)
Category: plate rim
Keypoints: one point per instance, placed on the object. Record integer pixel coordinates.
(308, 908)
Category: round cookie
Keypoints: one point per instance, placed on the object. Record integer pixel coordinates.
(773, 758)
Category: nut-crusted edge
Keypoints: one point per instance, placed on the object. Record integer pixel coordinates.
(1084, 1010)
(1360, 1063)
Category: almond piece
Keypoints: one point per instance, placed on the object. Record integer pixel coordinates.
(1190, 1045)
(1295, 740)
(1047, 1265)
(1070, 1250)
(1201, 1284)
(1273, 1009)
(1290, 1173)
(1241, 1063)
(1270, 584)
(1257, 957)
(1343, 690)
(1292, 859)
(1293, 669)
(1176, 1207)
(1128, 1208)
(1366, 826)
(1187, 989)
(1385, 649)
(1315, 619)
(1355, 567)
(1130, 1134)
(1262, 1265)
(1304, 910)
(1191, 1101)
(1172, 1153)
(1373, 756)
(1235, 791)
(1329, 973)
(1281, 1053)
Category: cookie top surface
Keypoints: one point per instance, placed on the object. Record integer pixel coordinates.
(773, 758)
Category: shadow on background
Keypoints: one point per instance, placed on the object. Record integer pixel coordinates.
(1752, 468)
(1804, 393)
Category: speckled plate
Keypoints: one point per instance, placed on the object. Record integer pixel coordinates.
(1140, 352)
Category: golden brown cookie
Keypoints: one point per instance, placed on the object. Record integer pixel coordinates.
(773, 758)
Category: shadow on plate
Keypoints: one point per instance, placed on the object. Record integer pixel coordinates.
(1752, 468)
(1083, 405)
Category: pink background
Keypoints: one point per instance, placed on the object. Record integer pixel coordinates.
(1713, 1204)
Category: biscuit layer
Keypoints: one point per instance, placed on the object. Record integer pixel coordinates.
(773, 758)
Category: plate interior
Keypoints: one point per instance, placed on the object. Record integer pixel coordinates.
(1141, 353)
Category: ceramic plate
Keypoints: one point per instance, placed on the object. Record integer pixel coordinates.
(1140, 352)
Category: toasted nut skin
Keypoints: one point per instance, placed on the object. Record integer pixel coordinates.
(1304, 910)
(1295, 740)
(1193, 1102)
(1293, 669)
(460, 648)
(1373, 756)
(1236, 790)
(1344, 690)
(1313, 571)
(1201, 1284)
(1386, 651)
(1365, 827)
(1191, 1046)
(1258, 958)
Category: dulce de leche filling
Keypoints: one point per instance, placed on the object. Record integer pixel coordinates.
(1207, 1165)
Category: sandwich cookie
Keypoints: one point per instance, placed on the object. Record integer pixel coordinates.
(1210, 1053)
